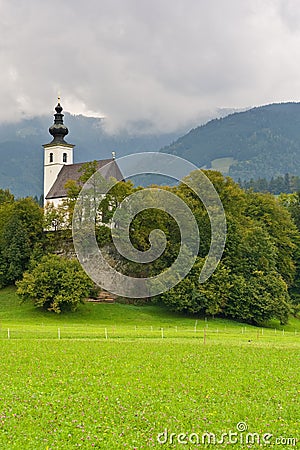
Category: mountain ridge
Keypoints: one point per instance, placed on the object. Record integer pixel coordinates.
(263, 142)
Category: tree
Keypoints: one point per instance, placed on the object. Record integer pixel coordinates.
(258, 298)
(292, 203)
(15, 252)
(55, 284)
(208, 298)
(73, 189)
(6, 196)
(276, 220)
(251, 282)
(21, 229)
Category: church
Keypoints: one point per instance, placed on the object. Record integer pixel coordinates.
(59, 166)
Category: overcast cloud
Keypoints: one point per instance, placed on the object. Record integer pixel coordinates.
(169, 62)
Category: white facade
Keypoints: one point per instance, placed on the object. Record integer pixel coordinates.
(55, 157)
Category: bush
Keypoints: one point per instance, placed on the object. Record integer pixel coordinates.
(56, 284)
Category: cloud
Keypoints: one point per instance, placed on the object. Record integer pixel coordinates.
(166, 63)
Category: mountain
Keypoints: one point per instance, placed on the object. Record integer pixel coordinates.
(21, 152)
(262, 142)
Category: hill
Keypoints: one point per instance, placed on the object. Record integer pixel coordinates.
(21, 151)
(133, 321)
(262, 142)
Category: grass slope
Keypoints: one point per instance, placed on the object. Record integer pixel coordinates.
(123, 391)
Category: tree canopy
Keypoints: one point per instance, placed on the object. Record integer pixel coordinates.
(21, 230)
(258, 272)
(258, 266)
(55, 284)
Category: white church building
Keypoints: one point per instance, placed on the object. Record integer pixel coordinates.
(59, 166)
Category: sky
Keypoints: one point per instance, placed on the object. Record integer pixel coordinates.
(148, 64)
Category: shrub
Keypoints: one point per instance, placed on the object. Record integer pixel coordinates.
(56, 284)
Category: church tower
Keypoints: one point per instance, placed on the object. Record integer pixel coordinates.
(58, 152)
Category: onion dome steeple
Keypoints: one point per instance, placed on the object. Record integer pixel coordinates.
(58, 130)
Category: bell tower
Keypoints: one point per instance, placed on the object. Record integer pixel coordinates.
(58, 152)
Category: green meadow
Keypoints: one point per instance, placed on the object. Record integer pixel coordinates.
(116, 376)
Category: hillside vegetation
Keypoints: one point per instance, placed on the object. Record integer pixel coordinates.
(262, 142)
(256, 279)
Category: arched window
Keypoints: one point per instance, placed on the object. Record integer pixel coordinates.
(64, 157)
(51, 157)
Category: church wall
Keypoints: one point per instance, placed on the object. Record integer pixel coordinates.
(54, 159)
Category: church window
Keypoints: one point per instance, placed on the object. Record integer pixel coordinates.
(51, 157)
(64, 157)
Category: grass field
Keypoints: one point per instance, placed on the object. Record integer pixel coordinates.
(123, 376)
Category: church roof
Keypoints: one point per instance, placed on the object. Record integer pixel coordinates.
(72, 172)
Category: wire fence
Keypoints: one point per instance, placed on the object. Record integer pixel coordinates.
(204, 334)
